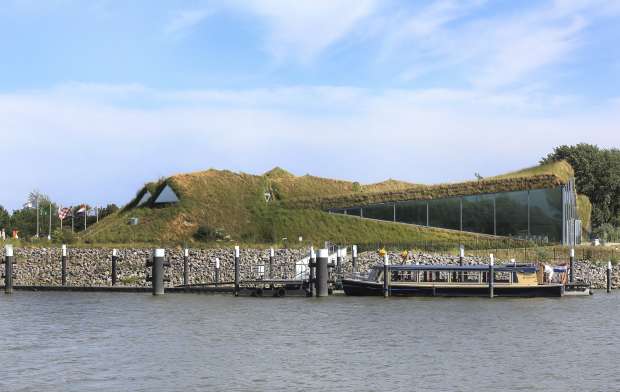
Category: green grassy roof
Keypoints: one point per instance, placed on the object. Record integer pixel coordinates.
(234, 203)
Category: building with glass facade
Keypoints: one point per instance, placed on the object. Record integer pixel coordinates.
(545, 215)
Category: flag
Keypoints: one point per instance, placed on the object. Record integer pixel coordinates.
(82, 209)
(64, 212)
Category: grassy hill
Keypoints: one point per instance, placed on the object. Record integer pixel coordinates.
(226, 206)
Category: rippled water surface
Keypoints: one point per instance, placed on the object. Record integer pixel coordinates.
(53, 341)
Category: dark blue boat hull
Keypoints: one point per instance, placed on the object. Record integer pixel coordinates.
(361, 288)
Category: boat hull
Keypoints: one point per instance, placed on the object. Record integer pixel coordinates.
(362, 288)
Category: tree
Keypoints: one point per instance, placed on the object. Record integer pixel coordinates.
(5, 219)
(597, 175)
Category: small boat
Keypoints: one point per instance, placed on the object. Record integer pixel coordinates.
(441, 280)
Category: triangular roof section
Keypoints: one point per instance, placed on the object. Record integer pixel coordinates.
(147, 195)
(167, 195)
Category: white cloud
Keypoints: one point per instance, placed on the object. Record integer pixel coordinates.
(301, 30)
(185, 20)
(491, 51)
(82, 142)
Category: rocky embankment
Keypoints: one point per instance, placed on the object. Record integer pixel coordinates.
(92, 267)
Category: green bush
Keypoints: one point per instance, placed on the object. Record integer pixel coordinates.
(205, 233)
(64, 236)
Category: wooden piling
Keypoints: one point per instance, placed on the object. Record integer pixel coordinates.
(237, 279)
(572, 266)
(322, 273)
(386, 276)
(63, 266)
(114, 262)
(185, 266)
(491, 277)
(8, 269)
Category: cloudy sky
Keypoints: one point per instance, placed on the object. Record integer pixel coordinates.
(98, 97)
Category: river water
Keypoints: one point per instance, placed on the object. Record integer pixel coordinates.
(54, 341)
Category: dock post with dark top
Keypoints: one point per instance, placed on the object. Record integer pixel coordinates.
(571, 270)
(185, 267)
(491, 277)
(609, 269)
(322, 273)
(272, 254)
(312, 274)
(63, 266)
(8, 269)
(237, 257)
(114, 262)
(157, 271)
(338, 261)
(386, 276)
(217, 271)
(354, 259)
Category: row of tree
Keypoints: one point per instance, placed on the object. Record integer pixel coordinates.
(597, 175)
(24, 220)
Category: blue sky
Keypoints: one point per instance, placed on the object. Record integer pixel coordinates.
(98, 97)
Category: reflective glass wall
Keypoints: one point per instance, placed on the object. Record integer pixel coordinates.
(535, 214)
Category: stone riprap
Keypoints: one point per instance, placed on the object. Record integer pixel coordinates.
(92, 266)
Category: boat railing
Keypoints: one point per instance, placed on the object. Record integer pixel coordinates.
(356, 275)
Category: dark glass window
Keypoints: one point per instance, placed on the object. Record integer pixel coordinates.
(379, 211)
(445, 213)
(354, 211)
(511, 213)
(337, 211)
(546, 214)
(478, 213)
(411, 212)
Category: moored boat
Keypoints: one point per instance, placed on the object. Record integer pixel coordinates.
(441, 280)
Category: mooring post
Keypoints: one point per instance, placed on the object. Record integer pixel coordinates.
(272, 254)
(572, 265)
(386, 276)
(114, 261)
(322, 273)
(217, 271)
(63, 266)
(312, 276)
(461, 257)
(609, 269)
(237, 271)
(185, 267)
(338, 262)
(8, 269)
(157, 271)
(354, 259)
(491, 277)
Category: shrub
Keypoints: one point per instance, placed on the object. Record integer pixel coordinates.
(205, 233)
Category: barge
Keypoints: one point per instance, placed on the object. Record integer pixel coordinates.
(439, 280)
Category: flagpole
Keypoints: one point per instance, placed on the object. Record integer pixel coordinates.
(49, 231)
(85, 213)
(37, 216)
(72, 221)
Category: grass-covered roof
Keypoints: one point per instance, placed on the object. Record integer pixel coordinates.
(235, 204)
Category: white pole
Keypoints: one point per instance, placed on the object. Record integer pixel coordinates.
(49, 231)
(37, 216)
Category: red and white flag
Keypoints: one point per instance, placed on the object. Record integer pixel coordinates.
(64, 212)
(82, 209)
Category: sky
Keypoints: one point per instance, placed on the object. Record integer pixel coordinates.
(98, 97)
